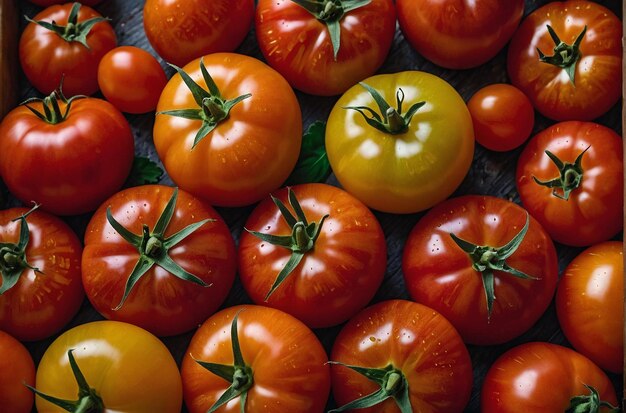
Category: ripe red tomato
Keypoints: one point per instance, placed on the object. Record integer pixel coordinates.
(182, 30)
(47, 55)
(580, 202)
(581, 81)
(543, 377)
(484, 258)
(46, 3)
(243, 137)
(278, 363)
(502, 116)
(41, 287)
(340, 263)
(459, 34)
(414, 342)
(70, 162)
(166, 259)
(131, 79)
(325, 48)
(590, 304)
(16, 369)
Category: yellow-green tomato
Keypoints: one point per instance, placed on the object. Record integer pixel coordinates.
(401, 142)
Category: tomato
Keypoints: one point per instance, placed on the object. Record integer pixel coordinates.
(71, 160)
(249, 140)
(338, 266)
(130, 370)
(484, 264)
(326, 47)
(577, 196)
(41, 286)
(50, 52)
(182, 30)
(131, 79)
(590, 304)
(583, 79)
(276, 365)
(543, 377)
(411, 341)
(179, 251)
(16, 368)
(502, 116)
(404, 162)
(459, 34)
(46, 3)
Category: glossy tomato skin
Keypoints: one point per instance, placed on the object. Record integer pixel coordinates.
(541, 377)
(416, 340)
(590, 304)
(46, 3)
(46, 58)
(387, 172)
(16, 368)
(298, 45)
(160, 302)
(502, 116)
(183, 30)
(439, 274)
(598, 74)
(131, 79)
(41, 303)
(69, 167)
(251, 152)
(105, 352)
(335, 279)
(593, 212)
(459, 34)
(287, 360)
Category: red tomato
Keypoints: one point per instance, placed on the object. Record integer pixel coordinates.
(502, 115)
(70, 162)
(281, 358)
(182, 30)
(166, 299)
(297, 42)
(46, 3)
(131, 79)
(584, 84)
(542, 377)
(579, 204)
(459, 34)
(453, 280)
(16, 368)
(340, 267)
(412, 341)
(44, 263)
(590, 304)
(47, 56)
(244, 151)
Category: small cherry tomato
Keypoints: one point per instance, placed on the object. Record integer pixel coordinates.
(502, 116)
(16, 369)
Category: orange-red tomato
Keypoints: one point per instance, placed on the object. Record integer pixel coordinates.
(16, 369)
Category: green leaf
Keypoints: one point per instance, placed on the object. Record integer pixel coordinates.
(144, 171)
(312, 165)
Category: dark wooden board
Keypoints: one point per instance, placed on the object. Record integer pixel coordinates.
(491, 173)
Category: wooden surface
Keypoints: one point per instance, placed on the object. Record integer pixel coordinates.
(491, 173)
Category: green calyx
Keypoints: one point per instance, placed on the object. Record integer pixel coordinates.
(213, 108)
(487, 259)
(330, 12)
(88, 399)
(302, 238)
(52, 112)
(570, 176)
(392, 384)
(153, 247)
(590, 403)
(73, 31)
(390, 120)
(13, 260)
(565, 56)
(239, 374)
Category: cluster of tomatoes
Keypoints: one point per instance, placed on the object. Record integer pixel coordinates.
(159, 261)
